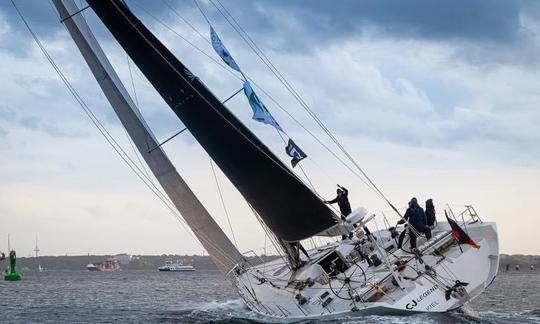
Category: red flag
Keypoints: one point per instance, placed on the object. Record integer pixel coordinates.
(460, 235)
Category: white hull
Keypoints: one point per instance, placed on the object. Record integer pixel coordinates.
(177, 269)
(273, 290)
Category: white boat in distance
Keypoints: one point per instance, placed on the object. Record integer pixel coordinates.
(176, 266)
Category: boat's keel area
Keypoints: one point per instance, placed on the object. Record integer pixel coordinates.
(363, 277)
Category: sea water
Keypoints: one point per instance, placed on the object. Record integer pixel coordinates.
(133, 296)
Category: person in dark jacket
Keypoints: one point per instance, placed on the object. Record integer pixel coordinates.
(417, 219)
(430, 213)
(342, 199)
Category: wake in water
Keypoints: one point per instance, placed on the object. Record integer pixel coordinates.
(234, 311)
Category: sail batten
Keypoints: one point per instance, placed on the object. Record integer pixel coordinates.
(290, 209)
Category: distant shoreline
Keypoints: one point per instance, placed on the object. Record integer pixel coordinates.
(149, 262)
(128, 262)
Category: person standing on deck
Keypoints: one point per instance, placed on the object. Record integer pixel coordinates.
(430, 213)
(417, 221)
(342, 199)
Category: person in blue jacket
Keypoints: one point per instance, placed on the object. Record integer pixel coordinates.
(417, 219)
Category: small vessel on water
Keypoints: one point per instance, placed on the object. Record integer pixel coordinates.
(176, 266)
(109, 265)
(36, 251)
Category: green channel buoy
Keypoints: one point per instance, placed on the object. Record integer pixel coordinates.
(13, 275)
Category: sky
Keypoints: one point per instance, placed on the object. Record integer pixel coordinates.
(432, 99)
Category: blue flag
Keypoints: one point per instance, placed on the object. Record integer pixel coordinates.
(222, 51)
(260, 113)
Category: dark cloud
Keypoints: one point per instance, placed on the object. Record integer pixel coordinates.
(39, 12)
(306, 25)
(482, 31)
(460, 19)
(304, 21)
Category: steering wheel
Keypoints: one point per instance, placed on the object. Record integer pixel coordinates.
(342, 282)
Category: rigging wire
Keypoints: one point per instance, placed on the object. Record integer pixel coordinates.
(257, 86)
(135, 151)
(222, 200)
(132, 81)
(279, 250)
(302, 169)
(274, 159)
(114, 144)
(280, 165)
(256, 49)
(368, 183)
(251, 80)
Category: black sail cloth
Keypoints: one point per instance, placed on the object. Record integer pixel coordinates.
(286, 205)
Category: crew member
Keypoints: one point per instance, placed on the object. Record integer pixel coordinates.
(417, 221)
(430, 213)
(342, 199)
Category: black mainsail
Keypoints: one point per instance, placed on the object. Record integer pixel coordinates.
(290, 209)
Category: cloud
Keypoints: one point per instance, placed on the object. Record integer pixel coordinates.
(423, 94)
(293, 26)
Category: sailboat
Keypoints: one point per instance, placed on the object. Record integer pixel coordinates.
(36, 251)
(363, 273)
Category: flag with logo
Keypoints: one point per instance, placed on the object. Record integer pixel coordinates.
(260, 113)
(222, 50)
(295, 152)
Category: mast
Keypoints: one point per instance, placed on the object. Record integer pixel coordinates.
(36, 249)
(290, 209)
(217, 244)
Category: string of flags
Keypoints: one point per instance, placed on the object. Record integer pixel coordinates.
(222, 51)
(295, 152)
(260, 112)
